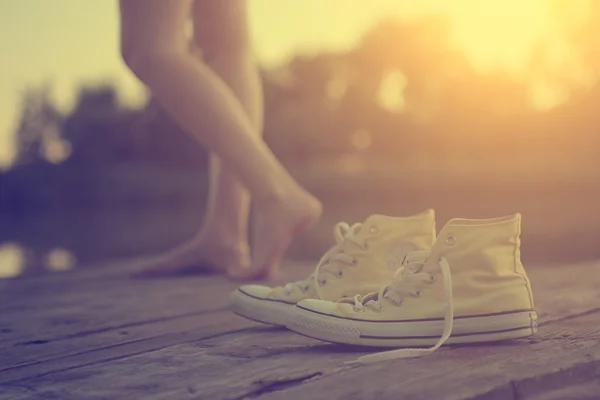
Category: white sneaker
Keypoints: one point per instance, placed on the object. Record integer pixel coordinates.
(365, 257)
(471, 287)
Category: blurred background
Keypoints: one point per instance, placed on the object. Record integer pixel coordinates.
(477, 108)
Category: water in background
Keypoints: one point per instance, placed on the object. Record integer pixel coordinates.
(561, 222)
(36, 243)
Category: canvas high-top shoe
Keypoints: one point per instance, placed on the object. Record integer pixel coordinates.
(471, 287)
(365, 257)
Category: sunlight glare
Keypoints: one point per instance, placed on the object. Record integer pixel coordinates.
(499, 34)
(12, 260)
(60, 260)
(391, 91)
(361, 139)
(54, 148)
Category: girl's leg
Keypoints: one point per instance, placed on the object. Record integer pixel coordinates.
(155, 47)
(221, 39)
(222, 34)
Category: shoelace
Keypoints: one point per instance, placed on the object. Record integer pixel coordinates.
(407, 281)
(343, 233)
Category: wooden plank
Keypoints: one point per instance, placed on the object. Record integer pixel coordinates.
(293, 367)
(80, 274)
(559, 356)
(94, 318)
(43, 318)
(38, 314)
(34, 352)
(22, 288)
(263, 360)
(589, 390)
(79, 352)
(201, 369)
(563, 290)
(143, 303)
(39, 317)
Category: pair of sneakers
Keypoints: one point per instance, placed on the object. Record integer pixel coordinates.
(393, 282)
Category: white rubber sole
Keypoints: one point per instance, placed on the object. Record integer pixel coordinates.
(413, 333)
(270, 312)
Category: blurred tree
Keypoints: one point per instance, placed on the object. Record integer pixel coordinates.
(98, 128)
(405, 94)
(298, 107)
(38, 123)
(160, 141)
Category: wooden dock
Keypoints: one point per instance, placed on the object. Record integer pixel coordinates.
(98, 333)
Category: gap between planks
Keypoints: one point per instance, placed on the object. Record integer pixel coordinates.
(560, 293)
(283, 365)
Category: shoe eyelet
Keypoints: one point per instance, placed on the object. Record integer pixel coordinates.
(340, 273)
(374, 230)
(354, 261)
(366, 247)
(450, 240)
(305, 289)
(432, 279)
(323, 282)
(417, 294)
(359, 310)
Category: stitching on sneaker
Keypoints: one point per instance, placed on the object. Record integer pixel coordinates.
(418, 320)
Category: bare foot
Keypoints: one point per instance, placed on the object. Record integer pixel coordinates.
(201, 255)
(276, 222)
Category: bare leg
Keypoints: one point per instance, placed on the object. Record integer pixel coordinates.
(221, 31)
(222, 41)
(155, 48)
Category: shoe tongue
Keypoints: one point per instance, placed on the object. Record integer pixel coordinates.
(377, 219)
(417, 256)
(383, 222)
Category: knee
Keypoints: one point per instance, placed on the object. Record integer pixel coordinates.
(142, 60)
(135, 58)
(130, 56)
(229, 54)
(219, 44)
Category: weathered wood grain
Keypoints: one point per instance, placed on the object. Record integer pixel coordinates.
(562, 290)
(44, 316)
(231, 367)
(96, 317)
(559, 356)
(77, 353)
(215, 368)
(174, 348)
(51, 316)
(32, 359)
(589, 390)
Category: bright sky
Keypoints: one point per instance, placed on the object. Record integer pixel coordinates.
(74, 41)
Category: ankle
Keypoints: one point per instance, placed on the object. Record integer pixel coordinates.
(276, 185)
(281, 195)
(223, 237)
